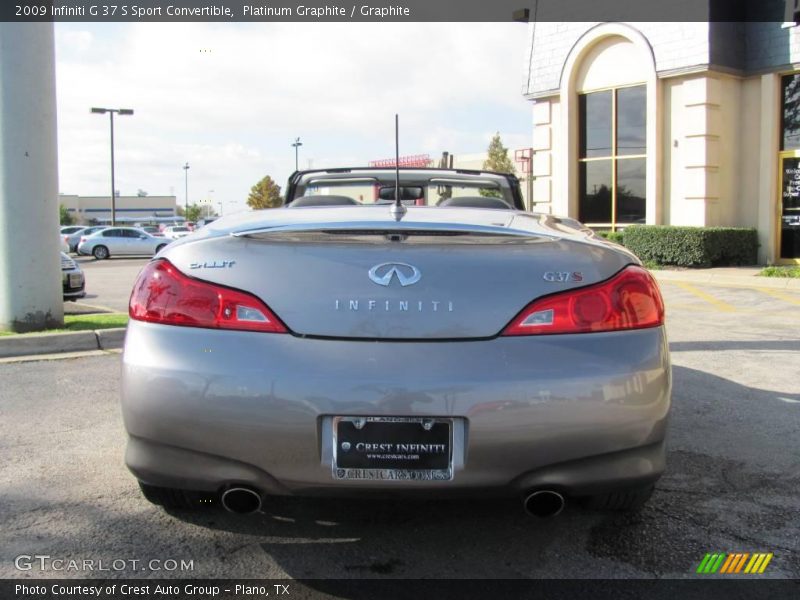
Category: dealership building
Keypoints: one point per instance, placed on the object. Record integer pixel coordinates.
(694, 123)
(96, 210)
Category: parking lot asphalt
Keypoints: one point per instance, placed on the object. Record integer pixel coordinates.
(732, 482)
(109, 282)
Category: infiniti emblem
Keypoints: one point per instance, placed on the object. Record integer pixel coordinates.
(406, 274)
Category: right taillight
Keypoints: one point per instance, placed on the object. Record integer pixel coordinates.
(162, 294)
(629, 300)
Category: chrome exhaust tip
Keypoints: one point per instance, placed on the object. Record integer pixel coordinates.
(544, 503)
(241, 500)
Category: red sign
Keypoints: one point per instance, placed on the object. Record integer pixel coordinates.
(414, 160)
(524, 157)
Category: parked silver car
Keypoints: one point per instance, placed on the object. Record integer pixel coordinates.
(446, 342)
(176, 232)
(120, 241)
(71, 234)
(75, 237)
(73, 281)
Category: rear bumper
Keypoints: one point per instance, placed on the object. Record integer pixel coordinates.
(68, 291)
(581, 413)
(179, 468)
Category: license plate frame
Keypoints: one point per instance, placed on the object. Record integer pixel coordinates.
(74, 280)
(431, 463)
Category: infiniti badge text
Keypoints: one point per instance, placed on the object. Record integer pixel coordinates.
(394, 305)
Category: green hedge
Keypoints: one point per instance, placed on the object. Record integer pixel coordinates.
(613, 236)
(693, 246)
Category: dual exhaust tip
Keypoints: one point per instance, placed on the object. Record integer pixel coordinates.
(541, 503)
(241, 500)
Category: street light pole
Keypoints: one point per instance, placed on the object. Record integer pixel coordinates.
(113, 187)
(186, 189)
(111, 111)
(297, 143)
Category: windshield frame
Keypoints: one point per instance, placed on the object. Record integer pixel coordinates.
(301, 181)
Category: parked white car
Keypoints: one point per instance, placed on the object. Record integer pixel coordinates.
(177, 231)
(120, 241)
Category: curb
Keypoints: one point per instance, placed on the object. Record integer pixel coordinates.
(55, 343)
(723, 280)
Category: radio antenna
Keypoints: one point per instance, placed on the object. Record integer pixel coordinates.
(398, 210)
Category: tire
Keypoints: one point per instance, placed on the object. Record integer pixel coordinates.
(626, 499)
(100, 252)
(170, 498)
(160, 247)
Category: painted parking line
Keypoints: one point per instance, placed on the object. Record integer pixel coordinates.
(782, 296)
(719, 304)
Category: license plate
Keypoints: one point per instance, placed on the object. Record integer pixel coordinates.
(75, 280)
(386, 448)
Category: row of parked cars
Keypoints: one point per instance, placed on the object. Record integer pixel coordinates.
(103, 241)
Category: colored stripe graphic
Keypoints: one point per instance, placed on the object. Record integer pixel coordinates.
(714, 563)
(724, 563)
(741, 562)
(727, 564)
(752, 563)
(766, 562)
(701, 567)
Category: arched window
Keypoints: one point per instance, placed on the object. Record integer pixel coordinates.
(608, 94)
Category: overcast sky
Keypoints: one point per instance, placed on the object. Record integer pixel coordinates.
(230, 99)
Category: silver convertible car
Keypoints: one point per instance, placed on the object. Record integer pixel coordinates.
(423, 335)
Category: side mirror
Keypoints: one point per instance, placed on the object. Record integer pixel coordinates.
(143, 236)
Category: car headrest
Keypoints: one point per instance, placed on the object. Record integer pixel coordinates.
(322, 201)
(476, 202)
(406, 192)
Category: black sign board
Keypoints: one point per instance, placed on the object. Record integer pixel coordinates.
(790, 215)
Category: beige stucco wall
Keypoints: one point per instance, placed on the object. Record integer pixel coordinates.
(720, 151)
(548, 196)
(769, 127)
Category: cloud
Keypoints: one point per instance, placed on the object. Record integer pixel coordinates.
(230, 98)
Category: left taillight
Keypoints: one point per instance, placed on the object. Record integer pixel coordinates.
(162, 294)
(629, 300)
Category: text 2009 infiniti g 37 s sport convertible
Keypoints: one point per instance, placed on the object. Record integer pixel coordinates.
(422, 334)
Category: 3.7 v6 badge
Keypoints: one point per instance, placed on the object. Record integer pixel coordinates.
(562, 276)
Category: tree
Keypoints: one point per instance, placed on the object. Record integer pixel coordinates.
(265, 194)
(193, 213)
(64, 216)
(498, 161)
